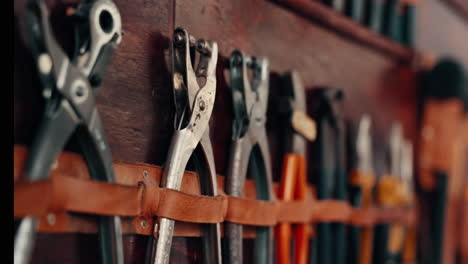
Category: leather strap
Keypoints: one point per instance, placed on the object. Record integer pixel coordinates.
(137, 197)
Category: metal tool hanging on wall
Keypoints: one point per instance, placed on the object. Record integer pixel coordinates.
(194, 96)
(362, 181)
(249, 149)
(69, 88)
(293, 185)
(389, 237)
(332, 180)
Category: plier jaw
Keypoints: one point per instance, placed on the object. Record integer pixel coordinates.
(194, 90)
(250, 97)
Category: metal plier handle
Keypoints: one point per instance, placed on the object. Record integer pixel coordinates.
(194, 95)
(249, 143)
(69, 87)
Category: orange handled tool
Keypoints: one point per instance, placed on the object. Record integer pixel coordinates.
(293, 186)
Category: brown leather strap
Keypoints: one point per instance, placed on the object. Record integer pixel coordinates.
(251, 212)
(331, 211)
(295, 211)
(363, 217)
(137, 197)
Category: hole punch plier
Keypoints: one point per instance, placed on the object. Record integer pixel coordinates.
(249, 150)
(69, 88)
(194, 96)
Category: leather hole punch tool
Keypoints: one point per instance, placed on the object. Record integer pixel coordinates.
(194, 95)
(390, 237)
(300, 128)
(330, 241)
(362, 181)
(69, 88)
(249, 150)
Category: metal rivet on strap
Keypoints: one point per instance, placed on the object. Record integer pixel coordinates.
(143, 224)
(55, 165)
(51, 219)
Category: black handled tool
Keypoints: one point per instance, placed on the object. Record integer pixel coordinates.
(444, 86)
(331, 184)
(69, 87)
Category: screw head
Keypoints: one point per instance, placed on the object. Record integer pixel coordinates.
(143, 224)
(179, 39)
(45, 63)
(51, 219)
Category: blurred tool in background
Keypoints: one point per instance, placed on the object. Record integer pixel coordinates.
(354, 9)
(409, 201)
(388, 237)
(361, 182)
(408, 22)
(337, 5)
(441, 159)
(249, 151)
(331, 182)
(293, 185)
(373, 10)
(390, 18)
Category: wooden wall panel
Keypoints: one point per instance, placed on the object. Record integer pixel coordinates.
(135, 101)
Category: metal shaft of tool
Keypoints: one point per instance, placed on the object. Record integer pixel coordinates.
(236, 175)
(325, 181)
(438, 217)
(354, 231)
(43, 152)
(178, 156)
(204, 160)
(340, 194)
(263, 242)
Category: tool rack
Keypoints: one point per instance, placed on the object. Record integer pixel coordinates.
(136, 102)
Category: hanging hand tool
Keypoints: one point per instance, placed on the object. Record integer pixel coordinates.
(438, 172)
(331, 237)
(194, 95)
(408, 22)
(390, 18)
(373, 14)
(409, 248)
(362, 183)
(69, 88)
(249, 149)
(355, 10)
(337, 5)
(293, 185)
(389, 190)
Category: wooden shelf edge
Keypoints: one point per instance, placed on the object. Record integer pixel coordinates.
(329, 18)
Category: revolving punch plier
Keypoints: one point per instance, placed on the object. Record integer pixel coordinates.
(249, 149)
(194, 96)
(69, 88)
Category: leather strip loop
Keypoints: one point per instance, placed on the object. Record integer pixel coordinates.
(363, 217)
(191, 208)
(295, 211)
(139, 197)
(251, 212)
(331, 211)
